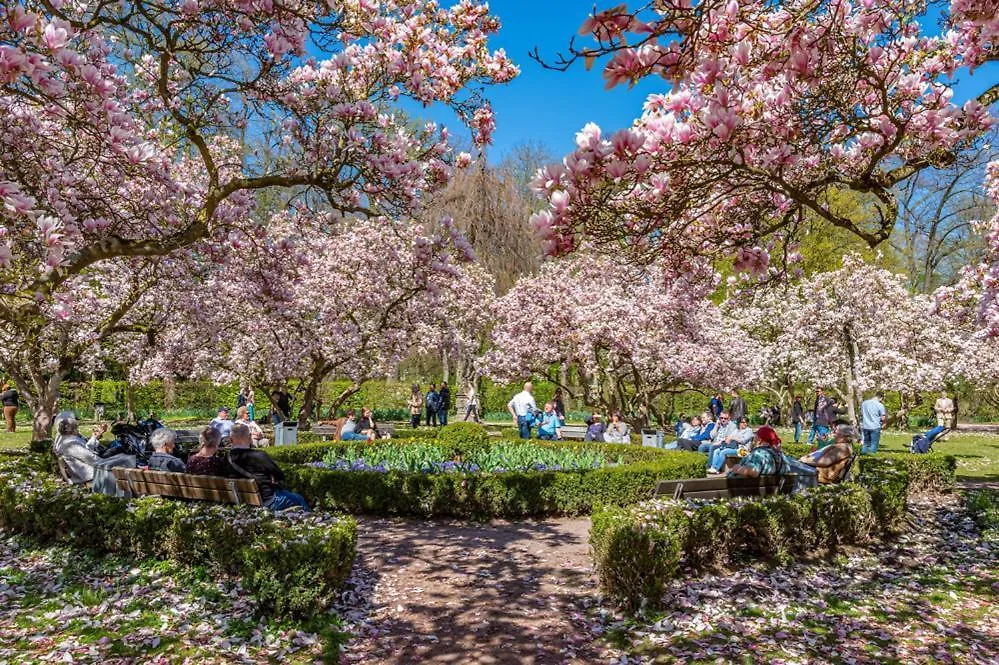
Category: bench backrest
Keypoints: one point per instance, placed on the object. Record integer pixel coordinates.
(144, 482)
(573, 432)
(723, 487)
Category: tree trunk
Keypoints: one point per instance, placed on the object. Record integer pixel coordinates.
(344, 396)
(851, 396)
(446, 366)
(169, 393)
(130, 400)
(42, 401)
(309, 397)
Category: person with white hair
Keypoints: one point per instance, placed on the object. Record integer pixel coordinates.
(163, 441)
(521, 407)
(78, 455)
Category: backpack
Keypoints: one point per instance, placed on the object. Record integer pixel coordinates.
(433, 400)
(920, 444)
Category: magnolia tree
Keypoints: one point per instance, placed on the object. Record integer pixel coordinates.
(350, 298)
(852, 330)
(631, 333)
(769, 108)
(117, 129)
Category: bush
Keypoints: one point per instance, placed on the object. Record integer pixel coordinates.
(463, 438)
(484, 495)
(638, 550)
(291, 564)
(983, 506)
(933, 472)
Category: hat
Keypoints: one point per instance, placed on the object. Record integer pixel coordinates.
(223, 408)
(768, 435)
(848, 431)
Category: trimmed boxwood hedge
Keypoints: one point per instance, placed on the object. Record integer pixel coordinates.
(292, 564)
(508, 494)
(637, 550)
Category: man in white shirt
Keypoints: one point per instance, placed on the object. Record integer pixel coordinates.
(222, 423)
(872, 419)
(520, 407)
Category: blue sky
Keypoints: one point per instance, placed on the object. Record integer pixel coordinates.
(549, 107)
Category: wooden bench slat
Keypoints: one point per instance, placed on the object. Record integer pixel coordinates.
(188, 486)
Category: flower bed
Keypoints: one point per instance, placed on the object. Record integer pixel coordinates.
(616, 475)
(292, 564)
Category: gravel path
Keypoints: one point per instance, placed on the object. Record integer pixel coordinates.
(463, 592)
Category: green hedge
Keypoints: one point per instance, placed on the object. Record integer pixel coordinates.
(933, 472)
(292, 564)
(508, 494)
(637, 550)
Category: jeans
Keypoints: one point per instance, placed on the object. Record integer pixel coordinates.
(872, 437)
(545, 435)
(283, 500)
(524, 426)
(821, 430)
(442, 416)
(797, 432)
(353, 436)
(431, 417)
(718, 457)
(705, 447)
(472, 410)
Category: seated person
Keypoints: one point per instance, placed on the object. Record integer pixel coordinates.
(594, 428)
(719, 436)
(222, 423)
(740, 439)
(765, 459)
(690, 429)
(348, 431)
(618, 430)
(696, 438)
(257, 434)
(831, 460)
(79, 455)
(164, 441)
(246, 462)
(206, 462)
(680, 425)
(551, 425)
(366, 424)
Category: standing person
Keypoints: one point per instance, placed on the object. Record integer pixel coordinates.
(797, 417)
(433, 402)
(280, 406)
(245, 398)
(472, 405)
(558, 401)
(873, 417)
(944, 408)
(716, 406)
(737, 407)
(445, 403)
(521, 406)
(10, 401)
(822, 416)
(415, 405)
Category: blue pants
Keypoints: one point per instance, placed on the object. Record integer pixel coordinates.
(872, 437)
(545, 435)
(718, 457)
(705, 447)
(284, 499)
(797, 432)
(442, 417)
(431, 417)
(524, 425)
(353, 436)
(820, 430)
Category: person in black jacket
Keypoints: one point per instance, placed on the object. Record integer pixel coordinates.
(444, 394)
(243, 461)
(10, 403)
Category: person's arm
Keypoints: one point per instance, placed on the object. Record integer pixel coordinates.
(513, 412)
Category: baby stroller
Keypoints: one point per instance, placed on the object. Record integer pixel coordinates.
(923, 443)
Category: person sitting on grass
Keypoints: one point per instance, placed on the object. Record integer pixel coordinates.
(830, 462)
(348, 431)
(246, 462)
(740, 439)
(765, 459)
(551, 424)
(594, 428)
(618, 430)
(78, 455)
(164, 441)
(206, 462)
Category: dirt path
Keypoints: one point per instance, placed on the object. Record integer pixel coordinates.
(461, 592)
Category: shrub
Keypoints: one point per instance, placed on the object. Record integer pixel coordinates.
(983, 506)
(483, 495)
(463, 438)
(637, 550)
(933, 472)
(292, 564)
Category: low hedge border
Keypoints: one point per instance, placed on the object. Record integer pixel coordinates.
(637, 550)
(291, 564)
(508, 494)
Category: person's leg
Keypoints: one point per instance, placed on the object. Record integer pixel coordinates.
(442, 417)
(285, 499)
(865, 438)
(545, 436)
(353, 436)
(525, 429)
(811, 434)
(875, 440)
(704, 447)
(797, 432)
(8, 416)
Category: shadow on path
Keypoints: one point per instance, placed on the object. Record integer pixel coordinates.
(448, 591)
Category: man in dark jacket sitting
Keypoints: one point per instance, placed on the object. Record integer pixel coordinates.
(247, 462)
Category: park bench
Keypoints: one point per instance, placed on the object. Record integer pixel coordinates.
(574, 432)
(188, 437)
(144, 482)
(722, 487)
(330, 431)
